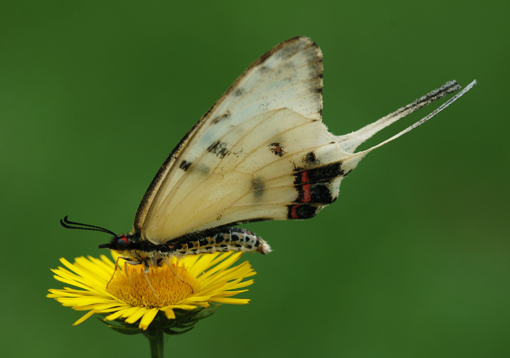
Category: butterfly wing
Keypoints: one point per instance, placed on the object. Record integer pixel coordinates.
(237, 163)
(260, 153)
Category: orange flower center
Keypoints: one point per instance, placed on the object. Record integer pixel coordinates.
(159, 287)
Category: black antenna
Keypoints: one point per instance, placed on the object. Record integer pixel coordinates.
(80, 226)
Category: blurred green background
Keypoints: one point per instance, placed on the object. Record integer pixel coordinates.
(412, 260)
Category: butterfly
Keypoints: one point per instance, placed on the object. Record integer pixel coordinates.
(260, 153)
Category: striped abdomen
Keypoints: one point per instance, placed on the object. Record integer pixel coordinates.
(228, 239)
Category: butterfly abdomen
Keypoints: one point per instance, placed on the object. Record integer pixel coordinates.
(227, 239)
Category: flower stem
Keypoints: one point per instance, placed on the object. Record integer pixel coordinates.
(155, 337)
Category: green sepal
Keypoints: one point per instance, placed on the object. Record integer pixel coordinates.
(184, 322)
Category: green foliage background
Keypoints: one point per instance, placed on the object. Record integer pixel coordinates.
(412, 260)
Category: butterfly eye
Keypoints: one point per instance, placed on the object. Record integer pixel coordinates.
(122, 243)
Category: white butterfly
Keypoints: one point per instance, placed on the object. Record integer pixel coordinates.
(260, 153)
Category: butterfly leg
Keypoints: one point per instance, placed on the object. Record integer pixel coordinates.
(115, 270)
(145, 271)
(126, 262)
(176, 275)
(127, 272)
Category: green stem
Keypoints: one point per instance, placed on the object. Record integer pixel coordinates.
(155, 338)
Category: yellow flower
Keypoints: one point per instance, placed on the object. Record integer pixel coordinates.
(191, 282)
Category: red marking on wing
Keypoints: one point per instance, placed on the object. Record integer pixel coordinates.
(293, 213)
(304, 177)
(307, 195)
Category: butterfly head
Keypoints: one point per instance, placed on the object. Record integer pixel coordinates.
(117, 243)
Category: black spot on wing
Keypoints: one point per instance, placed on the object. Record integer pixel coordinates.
(310, 159)
(239, 92)
(218, 148)
(218, 119)
(317, 90)
(202, 169)
(276, 149)
(318, 193)
(258, 187)
(319, 174)
(185, 165)
(304, 211)
(264, 69)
